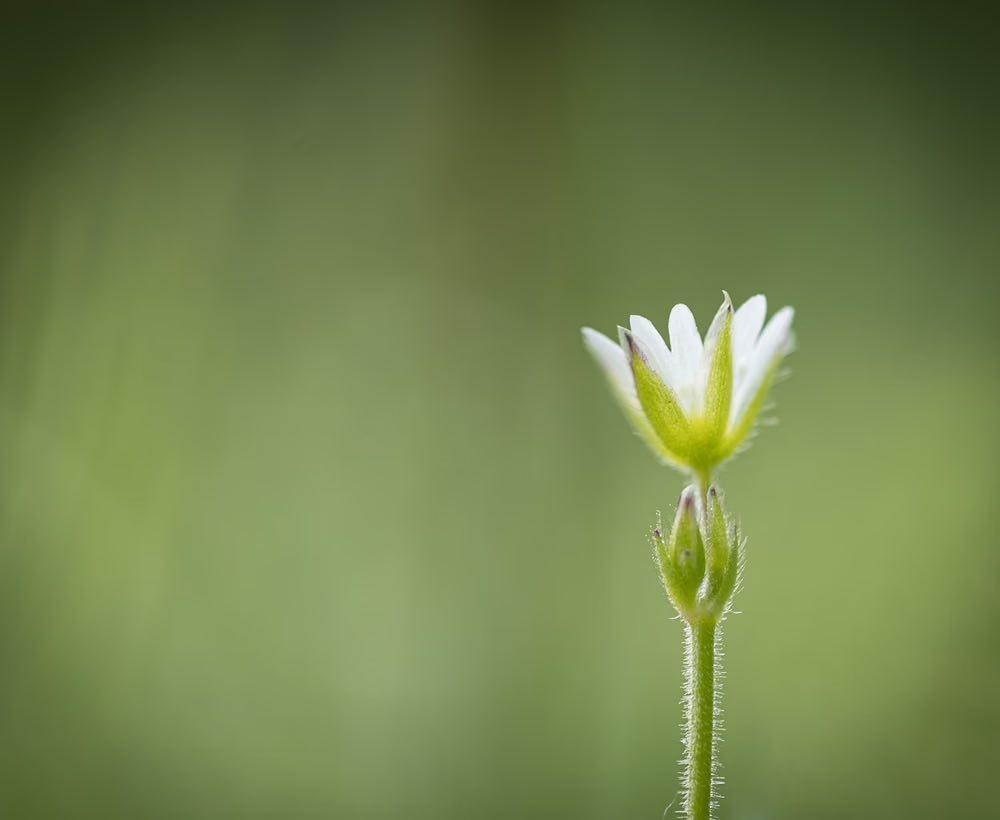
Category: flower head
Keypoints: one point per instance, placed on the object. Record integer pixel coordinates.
(695, 402)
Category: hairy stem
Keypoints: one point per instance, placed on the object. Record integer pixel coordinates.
(700, 716)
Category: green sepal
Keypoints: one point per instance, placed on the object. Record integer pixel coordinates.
(718, 534)
(731, 578)
(682, 556)
(659, 404)
(738, 434)
(723, 555)
(667, 572)
(719, 390)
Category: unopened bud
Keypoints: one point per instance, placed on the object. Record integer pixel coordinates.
(682, 555)
(700, 559)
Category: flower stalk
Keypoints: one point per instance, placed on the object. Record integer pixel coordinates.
(701, 761)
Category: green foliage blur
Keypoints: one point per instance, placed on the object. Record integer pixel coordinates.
(312, 504)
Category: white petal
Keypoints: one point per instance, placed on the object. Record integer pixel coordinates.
(655, 348)
(614, 363)
(772, 345)
(685, 353)
(714, 329)
(747, 322)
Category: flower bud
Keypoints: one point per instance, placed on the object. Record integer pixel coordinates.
(682, 555)
(700, 558)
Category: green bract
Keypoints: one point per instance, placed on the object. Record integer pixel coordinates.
(696, 402)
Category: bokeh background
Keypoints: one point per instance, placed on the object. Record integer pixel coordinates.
(312, 504)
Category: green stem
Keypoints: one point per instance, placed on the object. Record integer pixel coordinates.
(703, 480)
(700, 716)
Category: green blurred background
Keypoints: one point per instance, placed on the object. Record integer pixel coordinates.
(312, 503)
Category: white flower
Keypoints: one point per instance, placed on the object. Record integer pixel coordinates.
(695, 402)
